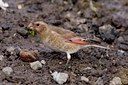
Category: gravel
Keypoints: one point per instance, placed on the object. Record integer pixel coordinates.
(116, 81)
(35, 65)
(60, 77)
(7, 70)
(83, 78)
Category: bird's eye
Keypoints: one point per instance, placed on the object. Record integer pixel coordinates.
(37, 24)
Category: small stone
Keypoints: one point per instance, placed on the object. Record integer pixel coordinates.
(60, 63)
(3, 5)
(108, 33)
(99, 81)
(43, 62)
(116, 81)
(69, 16)
(87, 68)
(83, 78)
(19, 6)
(35, 65)
(120, 39)
(1, 57)
(10, 49)
(22, 32)
(60, 77)
(80, 21)
(7, 70)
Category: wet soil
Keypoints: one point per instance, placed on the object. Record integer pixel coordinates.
(104, 63)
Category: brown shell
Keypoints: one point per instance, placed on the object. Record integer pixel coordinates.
(29, 56)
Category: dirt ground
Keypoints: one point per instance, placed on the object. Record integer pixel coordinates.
(106, 64)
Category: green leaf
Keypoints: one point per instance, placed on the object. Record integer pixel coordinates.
(31, 32)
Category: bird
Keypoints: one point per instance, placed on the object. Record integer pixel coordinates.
(60, 39)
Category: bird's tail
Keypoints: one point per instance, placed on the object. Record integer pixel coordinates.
(98, 46)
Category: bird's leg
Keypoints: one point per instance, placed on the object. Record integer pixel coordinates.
(68, 58)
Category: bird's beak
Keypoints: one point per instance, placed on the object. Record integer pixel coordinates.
(30, 26)
(92, 41)
(30, 29)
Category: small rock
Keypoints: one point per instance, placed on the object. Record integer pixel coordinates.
(99, 81)
(116, 81)
(87, 68)
(60, 77)
(3, 5)
(84, 79)
(22, 32)
(20, 6)
(80, 21)
(69, 16)
(7, 70)
(60, 63)
(1, 57)
(120, 39)
(35, 65)
(10, 49)
(108, 33)
(43, 62)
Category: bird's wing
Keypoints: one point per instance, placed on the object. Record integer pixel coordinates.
(68, 35)
(78, 40)
(63, 32)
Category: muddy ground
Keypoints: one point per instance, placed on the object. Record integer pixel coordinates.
(106, 64)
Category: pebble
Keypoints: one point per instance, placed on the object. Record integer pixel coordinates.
(3, 5)
(99, 81)
(116, 81)
(87, 68)
(83, 78)
(22, 32)
(43, 62)
(35, 65)
(19, 6)
(1, 57)
(10, 49)
(60, 77)
(81, 21)
(108, 33)
(7, 70)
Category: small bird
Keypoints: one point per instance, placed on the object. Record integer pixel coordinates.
(60, 39)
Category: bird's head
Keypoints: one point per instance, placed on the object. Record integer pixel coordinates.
(38, 26)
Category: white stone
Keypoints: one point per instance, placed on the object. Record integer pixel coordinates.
(87, 68)
(11, 49)
(1, 57)
(99, 81)
(35, 65)
(7, 70)
(19, 6)
(60, 77)
(116, 81)
(3, 5)
(43, 62)
(83, 78)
